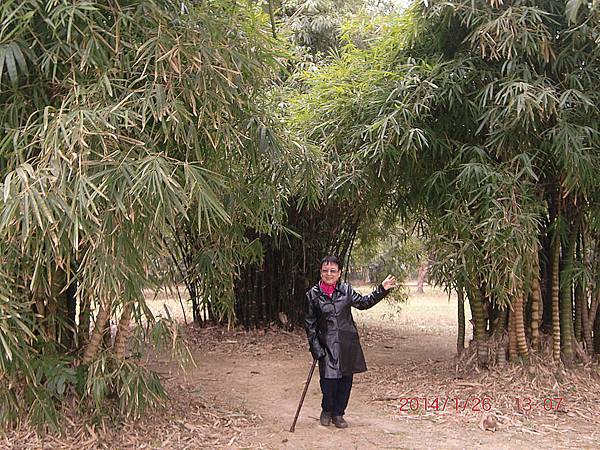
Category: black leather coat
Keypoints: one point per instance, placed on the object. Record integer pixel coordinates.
(331, 331)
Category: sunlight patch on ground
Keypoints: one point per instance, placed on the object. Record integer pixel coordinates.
(432, 312)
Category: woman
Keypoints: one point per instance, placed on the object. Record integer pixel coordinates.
(333, 337)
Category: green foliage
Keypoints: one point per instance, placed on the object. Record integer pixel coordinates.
(314, 24)
(165, 335)
(54, 374)
(469, 115)
(134, 387)
(125, 122)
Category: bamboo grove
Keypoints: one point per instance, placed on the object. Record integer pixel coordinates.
(148, 143)
(126, 126)
(482, 119)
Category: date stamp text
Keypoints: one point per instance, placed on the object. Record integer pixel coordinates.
(474, 404)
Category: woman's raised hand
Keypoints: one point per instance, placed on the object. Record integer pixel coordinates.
(389, 282)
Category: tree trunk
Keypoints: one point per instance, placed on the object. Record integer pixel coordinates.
(536, 303)
(501, 326)
(580, 300)
(566, 298)
(596, 341)
(423, 269)
(589, 312)
(579, 311)
(512, 337)
(588, 322)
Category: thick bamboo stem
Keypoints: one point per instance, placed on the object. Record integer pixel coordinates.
(579, 305)
(588, 322)
(502, 321)
(536, 302)
(123, 332)
(536, 305)
(596, 339)
(520, 326)
(96, 337)
(566, 298)
(479, 332)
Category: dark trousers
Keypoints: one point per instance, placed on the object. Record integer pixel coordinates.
(336, 393)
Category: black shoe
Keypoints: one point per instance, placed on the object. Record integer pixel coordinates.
(325, 418)
(339, 422)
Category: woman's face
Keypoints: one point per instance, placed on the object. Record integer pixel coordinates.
(330, 273)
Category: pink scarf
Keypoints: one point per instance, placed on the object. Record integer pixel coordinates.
(327, 288)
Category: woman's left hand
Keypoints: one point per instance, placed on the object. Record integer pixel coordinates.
(389, 282)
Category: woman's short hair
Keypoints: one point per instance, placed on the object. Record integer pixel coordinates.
(331, 259)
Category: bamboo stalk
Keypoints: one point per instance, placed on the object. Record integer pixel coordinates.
(512, 337)
(579, 305)
(588, 322)
(272, 18)
(589, 311)
(92, 347)
(579, 294)
(520, 326)
(122, 332)
(596, 339)
(83, 331)
(536, 305)
(555, 297)
(479, 331)
(460, 341)
(502, 321)
(566, 297)
(536, 301)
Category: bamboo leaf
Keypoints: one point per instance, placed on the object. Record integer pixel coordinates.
(572, 9)
(2, 60)
(11, 65)
(20, 58)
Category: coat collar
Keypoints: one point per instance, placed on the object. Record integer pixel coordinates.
(339, 287)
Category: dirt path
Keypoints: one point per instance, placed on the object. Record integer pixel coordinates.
(265, 374)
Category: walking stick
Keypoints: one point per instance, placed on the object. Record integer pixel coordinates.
(312, 369)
